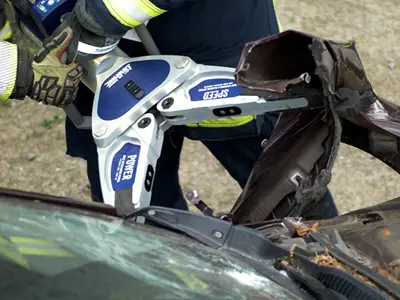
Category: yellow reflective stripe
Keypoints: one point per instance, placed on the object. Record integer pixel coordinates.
(8, 69)
(202, 284)
(8, 35)
(6, 32)
(189, 281)
(150, 9)
(182, 277)
(120, 15)
(39, 247)
(28, 240)
(13, 256)
(224, 123)
(277, 18)
(4, 241)
(132, 13)
(45, 252)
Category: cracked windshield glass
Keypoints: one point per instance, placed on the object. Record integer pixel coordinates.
(48, 253)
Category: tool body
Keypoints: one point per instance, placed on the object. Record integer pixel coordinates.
(137, 99)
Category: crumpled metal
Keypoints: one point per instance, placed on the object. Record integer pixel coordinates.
(353, 112)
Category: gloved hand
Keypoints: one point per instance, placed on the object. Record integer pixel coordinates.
(90, 40)
(44, 77)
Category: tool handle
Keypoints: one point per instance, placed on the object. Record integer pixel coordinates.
(147, 40)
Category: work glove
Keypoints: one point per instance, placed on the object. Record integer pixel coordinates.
(90, 40)
(44, 77)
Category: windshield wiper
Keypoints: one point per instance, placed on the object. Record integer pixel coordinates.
(210, 231)
(387, 285)
(253, 247)
(244, 243)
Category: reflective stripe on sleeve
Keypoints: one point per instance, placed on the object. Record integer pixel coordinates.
(132, 13)
(224, 122)
(8, 69)
(6, 32)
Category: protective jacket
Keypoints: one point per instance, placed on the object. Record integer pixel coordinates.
(209, 31)
(8, 58)
(8, 69)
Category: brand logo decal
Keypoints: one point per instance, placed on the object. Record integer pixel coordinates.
(113, 80)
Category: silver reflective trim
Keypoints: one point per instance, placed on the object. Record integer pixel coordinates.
(128, 12)
(8, 69)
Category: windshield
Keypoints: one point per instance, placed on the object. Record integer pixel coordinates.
(70, 254)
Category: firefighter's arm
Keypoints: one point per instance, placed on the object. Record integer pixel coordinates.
(122, 15)
(98, 25)
(8, 69)
(5, 27)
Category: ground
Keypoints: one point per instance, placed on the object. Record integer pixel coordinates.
(32, 141)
